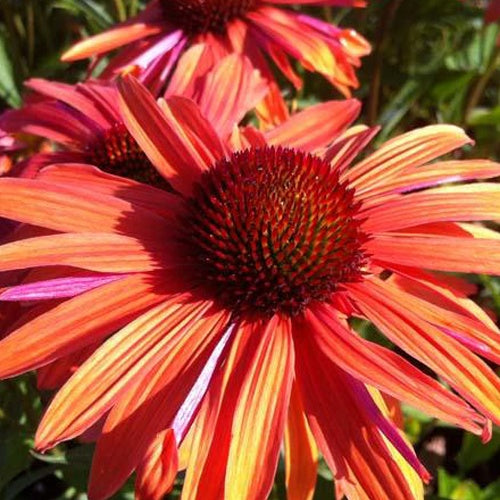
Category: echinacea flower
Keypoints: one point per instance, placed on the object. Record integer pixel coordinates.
(259, 29)
(84, 123)
(226, 331)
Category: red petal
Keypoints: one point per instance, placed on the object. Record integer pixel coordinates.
(386, 307)
(164, 139)
(381, 368)
(157, 471)
(346, 432)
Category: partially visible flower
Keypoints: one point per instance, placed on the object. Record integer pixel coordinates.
(154, 40)
(84, 123)
(229, 321)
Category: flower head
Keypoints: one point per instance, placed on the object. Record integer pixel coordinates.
(223, 329)
(84, 124)
(152, 43)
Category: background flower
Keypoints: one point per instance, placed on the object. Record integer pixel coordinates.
(258, 29)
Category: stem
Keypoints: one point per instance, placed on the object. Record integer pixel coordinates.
(383, 34)
(482, 82)
(327, 12)
(120, 10)
(134, 7)
(30, 32)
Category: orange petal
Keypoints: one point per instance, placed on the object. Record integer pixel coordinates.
(194, 64)
(315, 127)
(469, 255)
(272, 110)
(161, 138)
(348, 145)
(122, 360)
(101, 252)
(391, 408)
(442, 172)
(259, 417)
(294, 37)
(406, 151)
(150, 405)
(71, 209)
(140, 27)
(472, 202)
(386, 307)
(301, 452)
(225, 101)
(444, 292)
(157, 471)
(282, 61)
(76, 323)
(95, 180)
(200, 137)
(55, 374)
(457, 316)
(243, 417)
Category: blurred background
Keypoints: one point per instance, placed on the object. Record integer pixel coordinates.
(433, 61)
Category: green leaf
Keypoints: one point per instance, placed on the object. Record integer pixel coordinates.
(8, 89)
(484, 117)
(21, 483)
(14, 455)
(96, 15)
(477, 54)
(492, 491)
(473, 452)
(397, 108)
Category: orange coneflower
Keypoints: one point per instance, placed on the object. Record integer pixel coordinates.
(226, 330)
(153, 41)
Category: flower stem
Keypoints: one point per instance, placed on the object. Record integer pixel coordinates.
(482, 82)
(120, 10)
(382, 39)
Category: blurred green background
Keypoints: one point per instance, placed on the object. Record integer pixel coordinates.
(433, 61)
